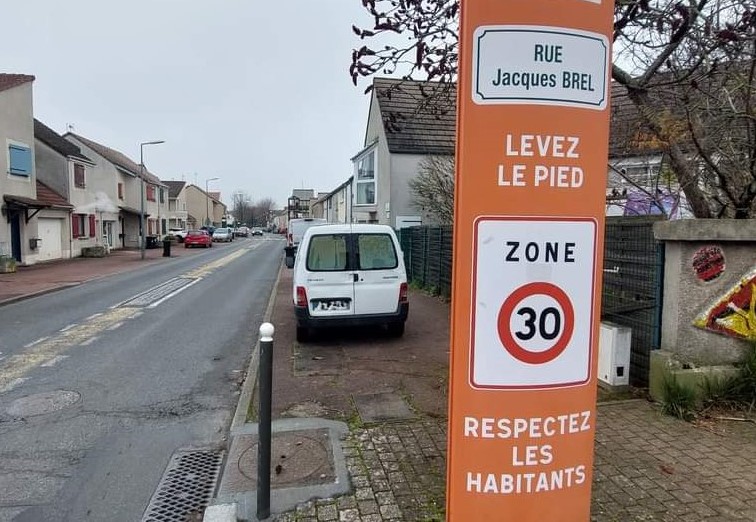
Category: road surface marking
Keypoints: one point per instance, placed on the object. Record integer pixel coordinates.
(66, 328)
(174, 293)
(18, 366)
(207, 269)
(55, 360)
(41, 339)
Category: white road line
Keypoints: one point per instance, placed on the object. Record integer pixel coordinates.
(88, 341)
(55, 360)
(68, 327)
(114, 326)
(98, 314)
(174, 293)
(41, 339)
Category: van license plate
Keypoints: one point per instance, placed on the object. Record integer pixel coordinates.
(328, 305)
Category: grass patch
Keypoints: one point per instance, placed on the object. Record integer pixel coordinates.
(678, 400)
(733, 393)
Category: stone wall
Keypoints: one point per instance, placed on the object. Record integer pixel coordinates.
(709, 263)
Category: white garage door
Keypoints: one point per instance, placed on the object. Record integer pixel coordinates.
(50, 231)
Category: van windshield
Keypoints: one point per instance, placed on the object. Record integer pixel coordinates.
(327, 253)
(376, 252)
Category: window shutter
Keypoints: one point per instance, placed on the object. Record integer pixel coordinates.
(120, 191)
(20, 160)
(92, 225)
(74, 225)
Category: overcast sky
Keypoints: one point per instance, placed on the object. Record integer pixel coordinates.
(256, 93)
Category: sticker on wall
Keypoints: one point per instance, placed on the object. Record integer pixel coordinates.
(734, 314)
(708, 263)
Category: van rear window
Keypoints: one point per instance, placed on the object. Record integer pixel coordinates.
(376, 252)
(327, 253)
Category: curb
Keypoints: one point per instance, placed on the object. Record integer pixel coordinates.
(38, 293)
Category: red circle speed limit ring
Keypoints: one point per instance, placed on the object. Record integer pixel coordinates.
(548, 326)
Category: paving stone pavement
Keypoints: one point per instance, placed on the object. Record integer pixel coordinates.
(647, 467)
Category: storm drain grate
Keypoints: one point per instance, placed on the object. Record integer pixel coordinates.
(186, 487)
(159, 292)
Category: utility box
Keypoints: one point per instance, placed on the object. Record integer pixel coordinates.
(614, 354)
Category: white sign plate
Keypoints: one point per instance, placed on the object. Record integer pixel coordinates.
(535, 65)
(533, 302)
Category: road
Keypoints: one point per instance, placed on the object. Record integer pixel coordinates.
(98, 390)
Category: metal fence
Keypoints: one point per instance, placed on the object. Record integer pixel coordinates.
(632, 291)
(633, 287)
(428, 257)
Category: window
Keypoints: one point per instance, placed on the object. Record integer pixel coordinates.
(365, 179)
(19, 160)
(120, 191)
(162, 196)
(83, 225)
(150, 192)
(79, 178)
(327, 253)
(376, 252)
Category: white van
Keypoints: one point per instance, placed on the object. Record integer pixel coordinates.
(350, 275)
(298, 226)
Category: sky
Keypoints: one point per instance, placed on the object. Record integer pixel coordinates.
(255, 93)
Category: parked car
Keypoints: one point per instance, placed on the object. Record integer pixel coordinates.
(198, 238)
(241, 232)
(257, 232)
(178, 233)
(209, 229)
(350, 275)
(223, 234)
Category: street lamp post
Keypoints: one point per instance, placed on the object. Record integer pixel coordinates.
(207, 196)
(143, 237)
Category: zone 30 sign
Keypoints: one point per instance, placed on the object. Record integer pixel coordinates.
(538, 343)
(532, 133)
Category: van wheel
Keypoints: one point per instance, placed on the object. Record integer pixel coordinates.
(303, 334)
(396, 329)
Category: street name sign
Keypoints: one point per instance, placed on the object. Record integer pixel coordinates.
(532, 136)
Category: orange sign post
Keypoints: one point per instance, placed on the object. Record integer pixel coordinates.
(532, 135)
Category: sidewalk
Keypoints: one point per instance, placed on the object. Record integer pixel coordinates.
(647, 466)
(49, 276)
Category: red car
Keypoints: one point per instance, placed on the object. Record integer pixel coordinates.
(198, 238)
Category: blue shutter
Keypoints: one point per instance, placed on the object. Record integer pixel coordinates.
(20, 160)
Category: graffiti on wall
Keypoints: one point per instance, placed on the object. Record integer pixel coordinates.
(708, 263)
(733, 314)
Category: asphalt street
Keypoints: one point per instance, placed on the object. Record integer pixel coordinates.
(102, 383)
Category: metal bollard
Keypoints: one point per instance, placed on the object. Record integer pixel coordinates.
(265, 378)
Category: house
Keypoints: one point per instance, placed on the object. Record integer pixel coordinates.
(132, 188)
(403, 129)
(298, 204)
(636, 184)
(202, 208)
(18, 184)
(336, 206)
(177, 212)
(64, 181)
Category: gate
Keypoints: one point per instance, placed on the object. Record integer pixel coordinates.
(633, 286)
